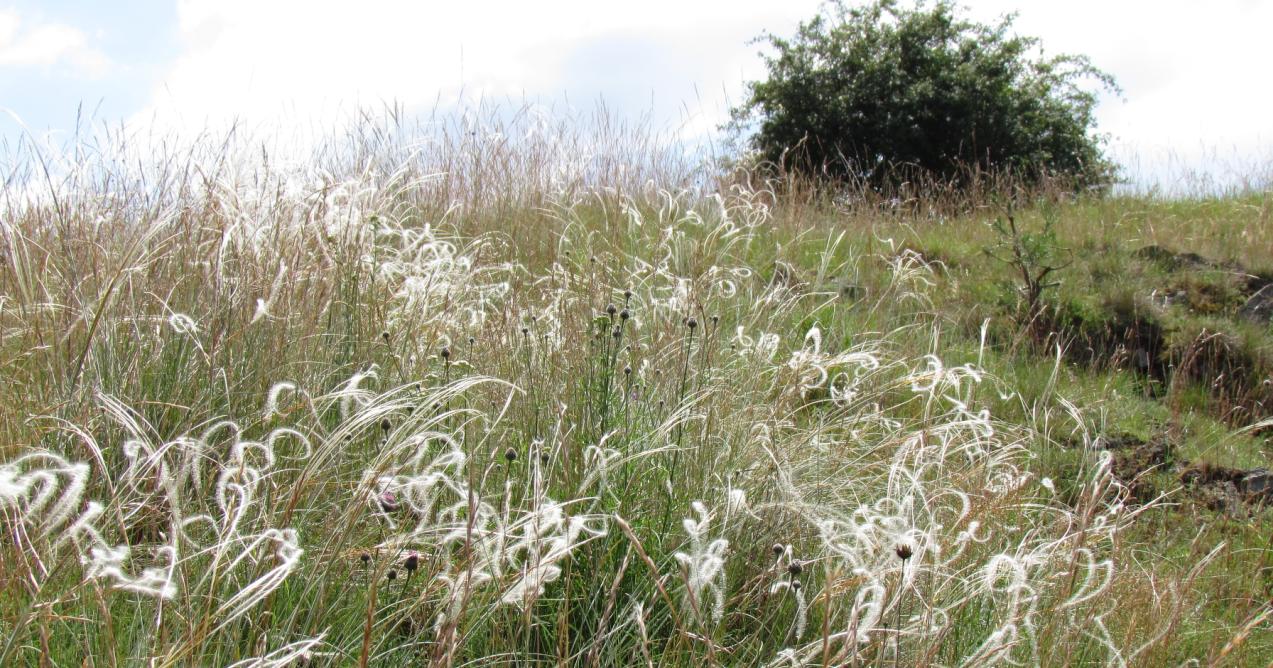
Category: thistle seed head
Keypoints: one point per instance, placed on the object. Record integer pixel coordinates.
(391, 575)
(412, 562)
(795, 568)
(778, 549)
(510, 455)
(611, 310)
(691, 323)
(389, 502)
(904, 551)
(446, 353)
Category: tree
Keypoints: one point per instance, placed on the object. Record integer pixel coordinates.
(869, 93)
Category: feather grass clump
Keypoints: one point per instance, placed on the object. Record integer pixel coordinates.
(445, 401)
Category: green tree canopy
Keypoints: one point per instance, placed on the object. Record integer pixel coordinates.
(866, 93)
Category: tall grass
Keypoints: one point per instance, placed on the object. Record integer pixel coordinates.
(515, 391)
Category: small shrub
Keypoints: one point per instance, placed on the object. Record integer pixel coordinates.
(872, 93)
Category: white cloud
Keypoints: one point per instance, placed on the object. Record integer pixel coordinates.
(1191, 72)
(47, 45)
(311, 62)
(1193, 78)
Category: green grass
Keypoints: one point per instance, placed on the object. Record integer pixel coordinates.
(237, 373)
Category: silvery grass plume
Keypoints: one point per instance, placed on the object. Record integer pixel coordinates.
(506, 538)
(947, 481)
(703, 567)
(172, 528)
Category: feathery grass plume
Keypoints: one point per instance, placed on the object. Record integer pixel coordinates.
(704, 566)
(293, 653)
(264, 305)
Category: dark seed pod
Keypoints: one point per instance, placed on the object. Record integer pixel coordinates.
(904, 551)
(391, 575)
(385, 336)
(412, 562)
(778, 549)
(446, 353)
(627, 371)
(625, 314)
(691, 323)
(795, 585)
(543, 458)
(617, 333)
(627, 294)
(386, 425)
(796, 568)
(510, 455)
(472, 340)
(611, 309)
(364, 557)
(525, 331)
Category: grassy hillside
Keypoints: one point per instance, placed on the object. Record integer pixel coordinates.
(538, 395)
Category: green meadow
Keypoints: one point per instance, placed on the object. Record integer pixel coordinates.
(493, 396)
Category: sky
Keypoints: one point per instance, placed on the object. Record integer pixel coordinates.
(1195, 98)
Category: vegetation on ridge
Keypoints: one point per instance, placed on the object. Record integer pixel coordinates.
(466, 401)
